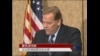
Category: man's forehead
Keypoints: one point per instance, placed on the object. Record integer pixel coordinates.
(48, 14)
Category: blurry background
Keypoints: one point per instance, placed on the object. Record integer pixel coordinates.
(74, 14)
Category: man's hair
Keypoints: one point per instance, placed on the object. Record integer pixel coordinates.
(55, 10)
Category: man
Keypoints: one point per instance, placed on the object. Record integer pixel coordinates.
(52, 22)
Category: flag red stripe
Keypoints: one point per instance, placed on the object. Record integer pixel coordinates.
(27, 33)
(32, 22)
(34, 25)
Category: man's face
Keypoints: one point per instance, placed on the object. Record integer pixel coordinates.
(50, 24)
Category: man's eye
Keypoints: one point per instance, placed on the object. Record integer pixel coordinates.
(48, 22)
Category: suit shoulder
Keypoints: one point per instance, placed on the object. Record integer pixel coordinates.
(71, 29)
(40, 31)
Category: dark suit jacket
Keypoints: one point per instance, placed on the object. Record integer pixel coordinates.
(66, 34)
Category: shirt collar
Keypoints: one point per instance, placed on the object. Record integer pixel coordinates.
(55, 35)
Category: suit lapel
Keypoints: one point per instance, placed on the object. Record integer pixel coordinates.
(46, 39)
(60, 37)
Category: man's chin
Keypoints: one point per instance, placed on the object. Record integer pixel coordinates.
(47, 33)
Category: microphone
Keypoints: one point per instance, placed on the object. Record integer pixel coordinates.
(77, 47)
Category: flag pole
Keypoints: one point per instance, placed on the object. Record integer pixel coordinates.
(28, 2)
(30, 27)
(24, 17)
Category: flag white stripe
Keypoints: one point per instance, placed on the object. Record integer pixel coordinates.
(33, 32)
(26, 39)
(27, 24)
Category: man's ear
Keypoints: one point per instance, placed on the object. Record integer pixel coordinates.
(59, 22)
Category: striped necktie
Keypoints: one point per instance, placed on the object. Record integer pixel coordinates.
(51, 41)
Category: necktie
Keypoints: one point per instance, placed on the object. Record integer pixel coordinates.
(51, 41)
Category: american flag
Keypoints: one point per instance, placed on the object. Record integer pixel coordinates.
(32, 20)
